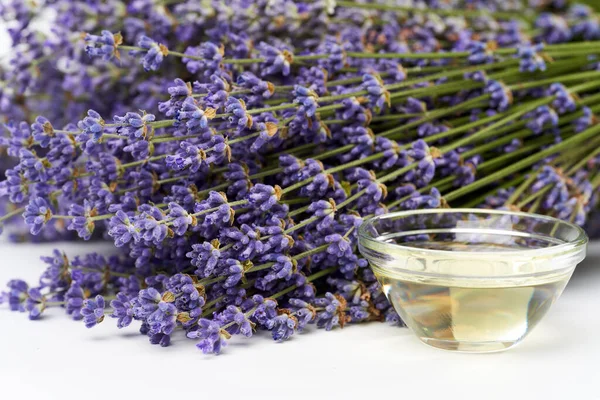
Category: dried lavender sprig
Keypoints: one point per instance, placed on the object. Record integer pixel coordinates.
(402, 170)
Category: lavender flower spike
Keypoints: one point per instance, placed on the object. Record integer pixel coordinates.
(213, 336)
(154, 53)
(93, 311)
(37, 214)
(105, 46)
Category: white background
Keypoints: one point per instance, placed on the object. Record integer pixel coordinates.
(56, 358)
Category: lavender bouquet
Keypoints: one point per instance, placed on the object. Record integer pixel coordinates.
(230, 149)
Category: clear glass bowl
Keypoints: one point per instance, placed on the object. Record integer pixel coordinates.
(471, 280)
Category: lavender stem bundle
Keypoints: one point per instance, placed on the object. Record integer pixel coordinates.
(230, 149)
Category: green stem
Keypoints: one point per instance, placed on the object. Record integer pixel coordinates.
(301, 225)
(585, 160)
(535, 205)
(62, 216)
(485, 131)
(438, 11)
(298, 211)
(595, 181)
(481, 199)
(534, 196)
(574, 140)
(119, 274)
(11, 214)
(504, 159)
(310, 278)
(332, 170)
(521, 188)
(142, 162)
(442, 183)
(394, 133)
(165, 123)
(54, 303)
(562, 79)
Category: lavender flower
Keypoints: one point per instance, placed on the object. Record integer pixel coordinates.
(571, 209)
(367, 182)
(57, 275)
(555, 28)
(282, 268)
(162, 321)
(558, 193)
(531, 61)
(481, 53)
(542, 117)
(379, 96)
(74, 301)
(587, 25)
(105, 46)
(216, 214)
(282, 326)
(37, 214)
(42, 131)
(15, 186)
(336, 56)
(122, 310)
(325, 210)
(150, 225)
(181, 220)
(234, 271)
(585, 121)
(276, 61)
(211, 55)
(93, 311)
(122, 229)
(92, 127)
(265, 311)
(500, 95)
(35, 303)
(218, 91)
(418, 200)
(189, 294)
(305, 313)
(195, 118)
(17, 294)
(188, 156)
(135, 126)
(564, 101)
(267, 132)
(34, 167)
(264, 197)
(258, 87)
(307, 99)
(82, 221)
(339, 246)
(240, 117)
(147, 302)
(213, 337)
(238, 321)
(333, 313)
(153, 53)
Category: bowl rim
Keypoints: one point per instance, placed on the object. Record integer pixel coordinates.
(566, 248)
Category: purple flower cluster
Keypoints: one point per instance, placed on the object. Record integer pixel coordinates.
(231, 150)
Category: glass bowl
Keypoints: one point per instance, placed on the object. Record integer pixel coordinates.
(471, 280)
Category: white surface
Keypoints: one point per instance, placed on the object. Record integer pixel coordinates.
(60, 359)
